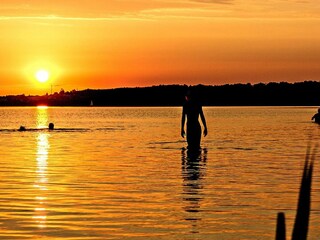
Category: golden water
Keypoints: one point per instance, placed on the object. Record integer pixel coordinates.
(123, 173)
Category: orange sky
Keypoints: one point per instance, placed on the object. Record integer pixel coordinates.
(123, 43)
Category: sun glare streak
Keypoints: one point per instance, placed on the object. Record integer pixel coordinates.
(42, 116)
(42, 107)
(40, 184)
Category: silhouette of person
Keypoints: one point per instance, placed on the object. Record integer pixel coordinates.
(192, 109)
(51, 126)
(22, 129)
(316, 117)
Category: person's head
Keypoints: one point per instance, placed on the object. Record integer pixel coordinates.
(51, 126)
(192, 94)
(318, 110)
(188, 95)
(22, 128)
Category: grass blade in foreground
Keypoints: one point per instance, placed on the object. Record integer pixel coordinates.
(301, 224)
(281, 227)
(300, 230)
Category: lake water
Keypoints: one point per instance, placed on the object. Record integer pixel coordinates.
(123, 173)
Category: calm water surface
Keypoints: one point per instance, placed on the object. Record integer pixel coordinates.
(123, 173)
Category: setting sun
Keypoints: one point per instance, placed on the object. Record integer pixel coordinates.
(42, 75)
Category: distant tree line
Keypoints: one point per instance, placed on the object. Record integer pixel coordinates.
(271, 94)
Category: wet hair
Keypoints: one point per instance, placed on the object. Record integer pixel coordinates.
(51, 126)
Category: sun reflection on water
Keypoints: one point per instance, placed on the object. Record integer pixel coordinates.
(41, 181)
(42, 116)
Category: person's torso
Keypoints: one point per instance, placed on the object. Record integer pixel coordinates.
(193, 111)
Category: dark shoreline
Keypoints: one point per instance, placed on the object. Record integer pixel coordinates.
(305, 93)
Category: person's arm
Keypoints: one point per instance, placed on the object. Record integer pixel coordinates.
(183, 120)
(313, 116)
(203, 119)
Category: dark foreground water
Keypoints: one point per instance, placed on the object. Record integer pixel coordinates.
(123, 173)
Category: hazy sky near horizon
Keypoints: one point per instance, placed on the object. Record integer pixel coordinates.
(124, 43)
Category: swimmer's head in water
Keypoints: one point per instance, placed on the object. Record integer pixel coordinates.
(22, 128)
(51, 126)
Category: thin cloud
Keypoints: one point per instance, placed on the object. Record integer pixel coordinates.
(57, 18)
(185, 13)
(214, 1)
